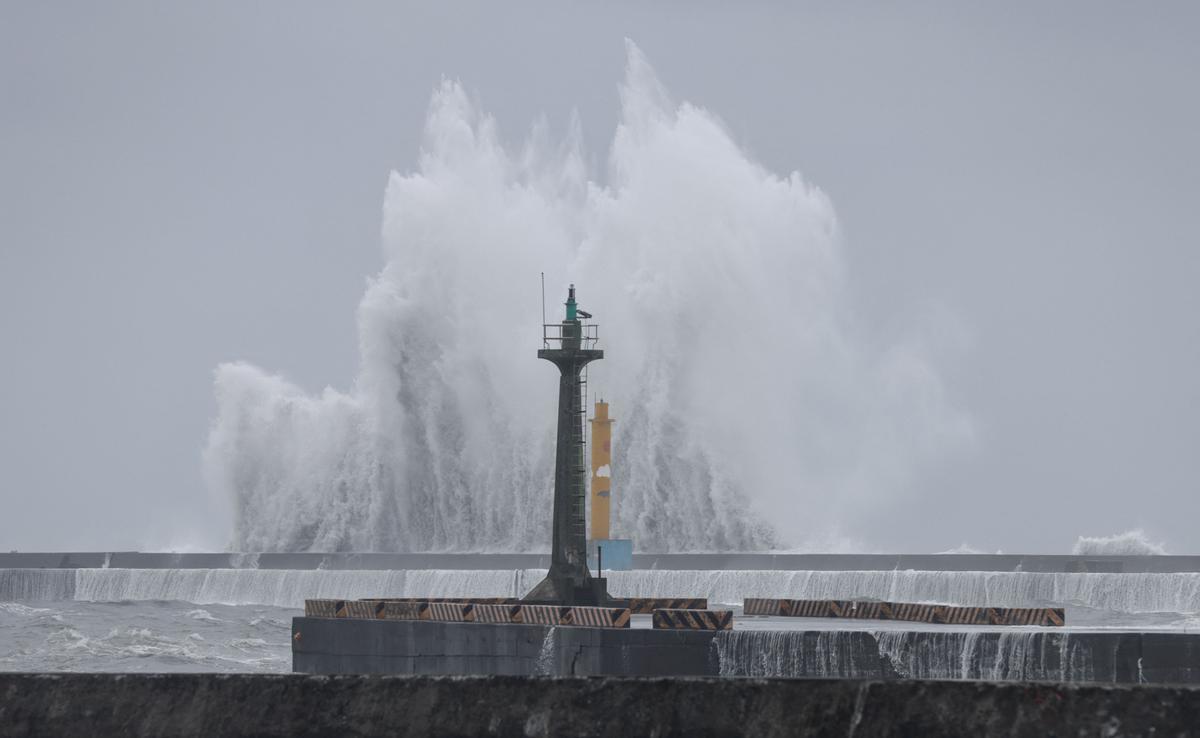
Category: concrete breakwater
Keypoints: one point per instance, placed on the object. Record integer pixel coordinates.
(299, 705)
(1116, 593)
(668, 561)
(344, 646)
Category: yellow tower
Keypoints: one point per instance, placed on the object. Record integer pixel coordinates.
(601, 472)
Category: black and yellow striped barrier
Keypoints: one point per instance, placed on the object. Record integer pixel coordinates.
(817, 608)
(320, 608)
(596, 617)
(647, 605)
(693, 619)
(401, 611)
(498, 613)
(636, 605)
(908, 612)
(461, 600)
(468, 612)
(355, 609)
(459, 612)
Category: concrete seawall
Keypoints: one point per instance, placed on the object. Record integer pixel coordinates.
(677, 562)
(297, 705)
(347, 646)
(341, 646)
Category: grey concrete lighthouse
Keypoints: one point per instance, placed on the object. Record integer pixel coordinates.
(570, 345)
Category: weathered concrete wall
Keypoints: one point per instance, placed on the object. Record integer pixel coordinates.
(297, 705)
(674, 562)
(345, 646)
(1046, 654)
(340, 646)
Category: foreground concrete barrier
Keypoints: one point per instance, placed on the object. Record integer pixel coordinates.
(349, 646)
(352, 646)
(298, 705)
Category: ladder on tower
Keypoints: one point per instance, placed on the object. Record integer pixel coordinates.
(579, 463)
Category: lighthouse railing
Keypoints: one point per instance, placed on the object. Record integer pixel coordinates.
(552, 335)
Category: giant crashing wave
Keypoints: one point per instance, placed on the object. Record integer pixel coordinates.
(740, 391)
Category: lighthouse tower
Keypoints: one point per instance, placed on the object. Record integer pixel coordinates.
(570, 345)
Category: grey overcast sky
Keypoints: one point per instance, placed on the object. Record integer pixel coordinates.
(187, 183)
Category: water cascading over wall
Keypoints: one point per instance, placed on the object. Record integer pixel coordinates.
(862, 654)
(1151, 595)
(742, 395)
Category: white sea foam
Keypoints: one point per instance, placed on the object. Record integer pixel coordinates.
(741, 390)
(962, 548)
(16, 608)
(1130, 543)
(152, 635)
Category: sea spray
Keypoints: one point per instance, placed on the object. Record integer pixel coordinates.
(1130, 543)
(547, 660)
(741, 391)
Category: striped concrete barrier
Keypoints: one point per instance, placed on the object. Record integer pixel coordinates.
(818, 608)
(1044, 616)
(485, 613)
(909, 612)
(693, 619)
(766, 607)
(596, 617)
(454, 612)
(468, 612)
(320, 608)
(461, 600)
(647, 605)
(401, 611)
(357, 609)
(463, 612)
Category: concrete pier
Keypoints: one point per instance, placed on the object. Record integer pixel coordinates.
(346, 646)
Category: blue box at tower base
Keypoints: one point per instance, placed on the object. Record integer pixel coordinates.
(614, 554)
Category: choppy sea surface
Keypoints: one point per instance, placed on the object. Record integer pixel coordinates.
(144, 636)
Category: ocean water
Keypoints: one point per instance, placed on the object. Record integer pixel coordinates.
(144, 636)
